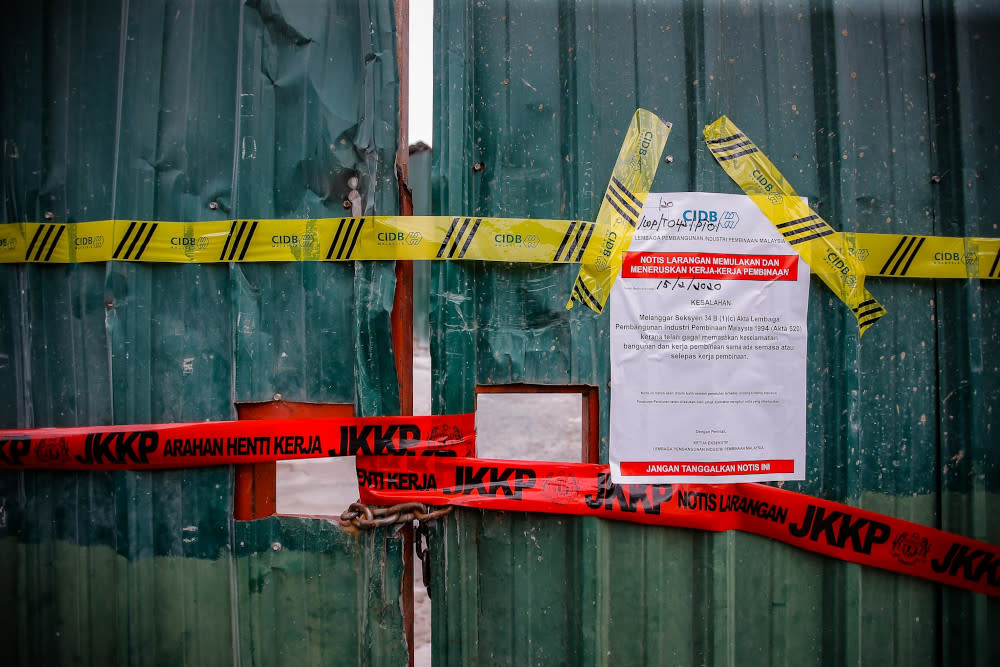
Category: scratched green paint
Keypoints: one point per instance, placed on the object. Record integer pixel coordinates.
(191, 111)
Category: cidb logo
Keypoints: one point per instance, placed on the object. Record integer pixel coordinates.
(508, 239)
(89, 241)
(729, 219)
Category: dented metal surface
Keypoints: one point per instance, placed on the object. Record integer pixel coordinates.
(880, 114)
(195, 111)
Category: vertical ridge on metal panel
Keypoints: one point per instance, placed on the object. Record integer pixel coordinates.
(879, 149)
(282, 558)
(966, 319)
(54, 351)
(117, 114)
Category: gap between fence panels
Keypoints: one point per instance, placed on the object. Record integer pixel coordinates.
(326, 487)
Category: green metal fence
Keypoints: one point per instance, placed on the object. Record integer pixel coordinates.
(187, 110)
(880, 113)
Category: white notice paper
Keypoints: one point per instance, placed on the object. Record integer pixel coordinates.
(708, 346)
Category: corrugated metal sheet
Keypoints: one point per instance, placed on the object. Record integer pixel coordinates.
(880, 113)
(188, 110)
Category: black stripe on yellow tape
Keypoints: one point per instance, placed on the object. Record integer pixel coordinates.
(813, 239)
(495, 239)
(584, 296)
(723, 140)
(459, 239)
(34, 240)
(792, 229)
(348, 228)
(55, 242)
(740, 154)
(791, 223)
(141, 234)
(378, 237)
(826, 231)
(634, 200)
(44, 232)
(733, 142)
(468, 239)
(621, 209)
(244, 232)
(911, 256)
(146, 240)
(574, 253)
(586, 242)
(453, 238)
(128, 234)
(618, 202)
(354, 240)
(569, 232)
(868, 312)
(904, 251)
(229, 238)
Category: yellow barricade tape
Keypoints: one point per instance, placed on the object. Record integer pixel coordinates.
(376, 238)
(812, 237)
(621, 208)
(327, 239)
(905, 256)
(423, 238)
(841, 259)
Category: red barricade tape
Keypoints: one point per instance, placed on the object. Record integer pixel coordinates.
(833, 529)
(148, 446)
(399, 460)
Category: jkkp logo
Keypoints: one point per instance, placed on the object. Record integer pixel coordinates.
(52, 450)
(506, 239)
(561, 487)
(910, 548)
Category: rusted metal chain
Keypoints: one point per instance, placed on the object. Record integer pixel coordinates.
(364, 517)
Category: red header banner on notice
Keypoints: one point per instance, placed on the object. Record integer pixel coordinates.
(150, 446)
(706, 468)
(825, 527)
(709, 266)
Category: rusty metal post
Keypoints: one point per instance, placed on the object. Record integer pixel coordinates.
(402, 305)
